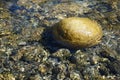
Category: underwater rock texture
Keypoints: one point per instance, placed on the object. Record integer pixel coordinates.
(28, 52)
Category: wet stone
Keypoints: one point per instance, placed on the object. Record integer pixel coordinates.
(62, 54)
(43, 68)
(4, 14)
(36, 77)
(7, 76)
(79, 35)
(94, 60)
(22, 43)
(75, 76)
(81, 58)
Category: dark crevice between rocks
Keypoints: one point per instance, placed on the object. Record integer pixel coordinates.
(55, 72)
(114, 67)
(106, 55)
(104, 71)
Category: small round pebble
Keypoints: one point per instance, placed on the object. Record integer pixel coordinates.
(75, 32)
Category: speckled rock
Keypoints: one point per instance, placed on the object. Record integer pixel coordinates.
(62, 54)
(35, 77)
(7, 76)
(75, 32)
(4, 13)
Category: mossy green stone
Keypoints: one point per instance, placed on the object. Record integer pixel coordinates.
(75, 32)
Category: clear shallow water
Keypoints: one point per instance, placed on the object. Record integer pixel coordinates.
(27, 49)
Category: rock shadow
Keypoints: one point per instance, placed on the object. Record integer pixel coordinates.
(50, 43)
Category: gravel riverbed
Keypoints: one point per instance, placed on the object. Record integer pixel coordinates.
(29, 52)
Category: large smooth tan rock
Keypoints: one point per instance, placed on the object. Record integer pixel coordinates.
(75, 32)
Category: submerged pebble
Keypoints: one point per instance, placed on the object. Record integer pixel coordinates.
(75, 32)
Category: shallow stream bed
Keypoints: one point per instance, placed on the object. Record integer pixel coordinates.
(29, 52)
